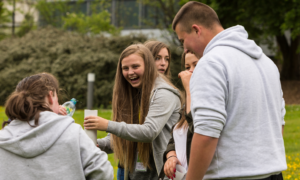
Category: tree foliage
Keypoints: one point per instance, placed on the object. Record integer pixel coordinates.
(26, 26)
(69, 56)
(95, 23)
(70, 15)
(51, 13)
(5, 18)
(166, 10)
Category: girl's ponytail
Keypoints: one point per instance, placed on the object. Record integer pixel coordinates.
(28, 100)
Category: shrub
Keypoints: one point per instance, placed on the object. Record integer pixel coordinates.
(69, 56)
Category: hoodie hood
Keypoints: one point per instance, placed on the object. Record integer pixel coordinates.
(160, 83)
(236, 37)
(26, 141)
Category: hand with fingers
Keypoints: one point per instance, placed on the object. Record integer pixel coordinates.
(62, 110)
(170, 164)
(185, 79)
(95, 122)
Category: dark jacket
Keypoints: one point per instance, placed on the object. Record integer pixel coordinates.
(171, 144)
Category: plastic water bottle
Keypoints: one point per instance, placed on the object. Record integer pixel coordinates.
(70, 106)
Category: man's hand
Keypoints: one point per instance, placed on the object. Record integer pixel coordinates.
(95, 122)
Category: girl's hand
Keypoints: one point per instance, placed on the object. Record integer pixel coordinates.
(95, 122)
(185, 78)
(170, 165)
(62, 110)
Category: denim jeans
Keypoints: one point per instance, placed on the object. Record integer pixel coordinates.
(120, 174)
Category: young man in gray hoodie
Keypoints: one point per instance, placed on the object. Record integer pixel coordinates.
(237, 103)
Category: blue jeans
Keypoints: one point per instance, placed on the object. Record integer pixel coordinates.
(120, 174)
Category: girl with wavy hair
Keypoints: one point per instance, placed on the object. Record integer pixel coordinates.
(145, 107)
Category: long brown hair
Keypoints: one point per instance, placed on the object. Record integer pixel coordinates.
(131, 105)
(155, 47)
(28, 99)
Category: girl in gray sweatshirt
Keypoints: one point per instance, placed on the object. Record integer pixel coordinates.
(40, 144)
(145, 107)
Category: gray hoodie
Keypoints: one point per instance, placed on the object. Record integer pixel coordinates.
(164, 112)
(56, 149)
(236, 97)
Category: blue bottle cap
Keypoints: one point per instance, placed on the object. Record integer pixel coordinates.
(74, 101)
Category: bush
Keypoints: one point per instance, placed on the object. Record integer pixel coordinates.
(69, 56)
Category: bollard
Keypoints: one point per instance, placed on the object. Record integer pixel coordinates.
(91, 80)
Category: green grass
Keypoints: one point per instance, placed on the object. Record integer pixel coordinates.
(291, 138)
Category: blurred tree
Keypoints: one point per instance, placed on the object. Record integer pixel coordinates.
(26, 8)
(27, 25)
(96, 23)
(166, 10)
(5, 19)
(82, 16)
(50, 13)
(69, 56)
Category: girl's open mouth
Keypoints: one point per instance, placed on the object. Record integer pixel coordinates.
(161, 70)
(134, 80)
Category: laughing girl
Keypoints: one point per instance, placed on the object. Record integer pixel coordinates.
(145, 107)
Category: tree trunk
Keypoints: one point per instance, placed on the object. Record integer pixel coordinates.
(291, 58)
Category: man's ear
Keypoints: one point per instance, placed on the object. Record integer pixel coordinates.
(50, 97)
(197, 29)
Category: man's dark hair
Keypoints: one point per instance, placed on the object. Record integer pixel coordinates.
(195, 13)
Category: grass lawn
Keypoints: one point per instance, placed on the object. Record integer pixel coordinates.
(291, 138)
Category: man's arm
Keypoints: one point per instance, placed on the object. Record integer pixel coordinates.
(202, 151)
(209, 92)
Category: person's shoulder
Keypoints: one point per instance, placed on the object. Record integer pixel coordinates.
(163, 86)
(165, 97)
(221, 53)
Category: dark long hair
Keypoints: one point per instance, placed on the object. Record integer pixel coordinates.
(28, 100)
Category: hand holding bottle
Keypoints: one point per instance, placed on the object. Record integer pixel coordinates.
(62, 110)
(70, 107)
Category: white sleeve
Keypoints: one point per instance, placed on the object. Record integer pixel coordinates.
(283, 111)
(208, 86)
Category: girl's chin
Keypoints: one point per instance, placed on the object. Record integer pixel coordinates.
(135, 83)
(139, 85)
